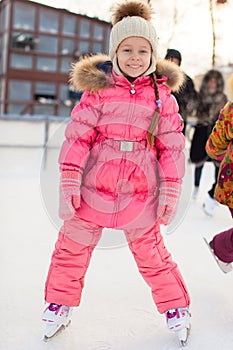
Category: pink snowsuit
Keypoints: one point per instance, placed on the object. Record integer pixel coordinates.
(106, 142)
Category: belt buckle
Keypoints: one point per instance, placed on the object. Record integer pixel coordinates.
(126, 146)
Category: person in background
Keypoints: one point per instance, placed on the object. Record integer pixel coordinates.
(220, 145)
(211, 98)
(187, 95)
(121, 165)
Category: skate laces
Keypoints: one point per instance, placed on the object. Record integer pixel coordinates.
(54, 312)
(178, 319)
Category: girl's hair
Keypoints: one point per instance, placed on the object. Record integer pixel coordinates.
(155, 119)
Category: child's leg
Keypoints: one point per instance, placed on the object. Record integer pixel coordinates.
(159, 271)
(197, 175)
(70, 261)
(223, 245)
(216, 170)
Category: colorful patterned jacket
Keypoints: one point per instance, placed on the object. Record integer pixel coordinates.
(220, 144)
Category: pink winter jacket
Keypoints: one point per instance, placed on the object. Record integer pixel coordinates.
(106, 141)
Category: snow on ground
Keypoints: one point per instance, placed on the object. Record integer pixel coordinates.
(117, 311)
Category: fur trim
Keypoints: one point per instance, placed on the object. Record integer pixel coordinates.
(85, 74)
(176, 77)
(131, 8)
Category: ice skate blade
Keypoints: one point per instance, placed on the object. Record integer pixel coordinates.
(58, 331)
(184, 342)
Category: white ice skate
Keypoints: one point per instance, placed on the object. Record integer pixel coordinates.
(225, 267)
(195, 192)
(56, 318)
(178, 321)
(209, 206)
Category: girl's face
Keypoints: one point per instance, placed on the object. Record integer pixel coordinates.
(212, 85)
(134, 56)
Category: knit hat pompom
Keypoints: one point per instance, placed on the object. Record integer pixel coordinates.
(131, 8)
(132, 18)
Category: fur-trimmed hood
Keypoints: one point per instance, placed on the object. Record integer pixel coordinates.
(91, 74)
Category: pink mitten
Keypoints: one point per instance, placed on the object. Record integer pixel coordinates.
(169, 193)
(69, 194)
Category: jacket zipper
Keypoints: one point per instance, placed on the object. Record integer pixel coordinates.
(116, 205)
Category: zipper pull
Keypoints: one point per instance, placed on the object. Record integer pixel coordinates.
(132, 89)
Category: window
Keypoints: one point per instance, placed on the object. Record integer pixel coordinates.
(107, 40)
(45, 93)
(85, 28)
(64, 90)
(67, 47)
(97, 48)
(3, 62)
(48, 21)
(2, 94)
(23, 41)
(17, 108)
(2, 88)
(46, 64)
(19, 90)
(43, 109)
(21, 61)
(65, 64)
(1, 21)
(98, 32)
(23, 16)
(68, 25)
(47, 44)
(84, 47)
(64, 111)
(4, 18)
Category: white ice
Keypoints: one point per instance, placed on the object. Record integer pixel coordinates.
(117, 311)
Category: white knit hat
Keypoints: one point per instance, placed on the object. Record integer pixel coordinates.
(132, 18)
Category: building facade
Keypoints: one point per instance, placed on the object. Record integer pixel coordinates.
(38, 43)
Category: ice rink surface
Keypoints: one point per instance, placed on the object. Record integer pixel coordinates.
(117, 311)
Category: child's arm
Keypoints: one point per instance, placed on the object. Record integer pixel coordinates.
(80, 134)
(221, 134)
(170, 143)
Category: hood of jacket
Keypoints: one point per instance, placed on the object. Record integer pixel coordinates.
(94, 74)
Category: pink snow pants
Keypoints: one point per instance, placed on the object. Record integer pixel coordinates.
(71, 259)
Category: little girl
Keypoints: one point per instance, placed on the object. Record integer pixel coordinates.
(219, 146)
(121, 167)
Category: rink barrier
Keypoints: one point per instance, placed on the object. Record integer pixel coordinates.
(18, 131)
(46, 120)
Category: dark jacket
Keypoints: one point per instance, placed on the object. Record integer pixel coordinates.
(209, 106)
(187, 98)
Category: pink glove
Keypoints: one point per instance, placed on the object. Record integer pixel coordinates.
(169, 193)
(69, 194)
